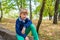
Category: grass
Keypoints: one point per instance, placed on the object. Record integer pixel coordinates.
(47, 30)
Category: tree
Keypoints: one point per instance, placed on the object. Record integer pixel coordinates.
(1, 11)
(49, 7)
(30, 10)
(59, 11)
(5, 6)
(41, 13)
(50, 15)
(20, 4)
(59, 17)
(56, 12)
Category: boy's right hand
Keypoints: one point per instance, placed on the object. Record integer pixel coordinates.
(26, 38)
(23, 30)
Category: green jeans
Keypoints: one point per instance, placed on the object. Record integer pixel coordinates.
(32, 29)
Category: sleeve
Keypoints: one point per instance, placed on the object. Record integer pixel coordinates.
(17, 27)
(29, 22)
(18, 31)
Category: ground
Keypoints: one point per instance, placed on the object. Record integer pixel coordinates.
(47, 30)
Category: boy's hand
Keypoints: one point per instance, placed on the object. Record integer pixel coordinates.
(26, 38)
(23, 30)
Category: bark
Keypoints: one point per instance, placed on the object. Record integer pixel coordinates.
(21, 5)
(59, 17)
(50, 16)
(40, 15)
(1, 12)
(30, 11)
(56, 12)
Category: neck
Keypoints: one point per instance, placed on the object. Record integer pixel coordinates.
(21, 18)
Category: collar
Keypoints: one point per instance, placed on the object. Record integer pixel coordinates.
(21, 19)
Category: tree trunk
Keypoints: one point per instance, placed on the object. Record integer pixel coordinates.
(41, 13)
(50, 16)
(56, 12)
(21, 5)
(30, 11)
(1, 12)
(59, 17)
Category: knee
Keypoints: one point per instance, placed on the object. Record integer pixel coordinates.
(32, 26)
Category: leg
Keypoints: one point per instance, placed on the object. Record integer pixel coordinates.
(34, 32)
(19, 37)
(27, 30)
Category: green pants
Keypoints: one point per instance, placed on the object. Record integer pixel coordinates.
(32, 29)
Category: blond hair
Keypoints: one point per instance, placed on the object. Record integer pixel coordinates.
(22, 10)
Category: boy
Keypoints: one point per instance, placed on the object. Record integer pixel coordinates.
(24, 26)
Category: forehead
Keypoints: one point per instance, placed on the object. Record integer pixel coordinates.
(24, 13)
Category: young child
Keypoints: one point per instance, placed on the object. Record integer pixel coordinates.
(24, 26)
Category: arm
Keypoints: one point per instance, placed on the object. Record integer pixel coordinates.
(18, 31)
(17, 27)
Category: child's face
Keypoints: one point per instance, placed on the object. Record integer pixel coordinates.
(23, 16)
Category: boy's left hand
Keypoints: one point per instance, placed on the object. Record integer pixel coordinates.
(23, 30)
